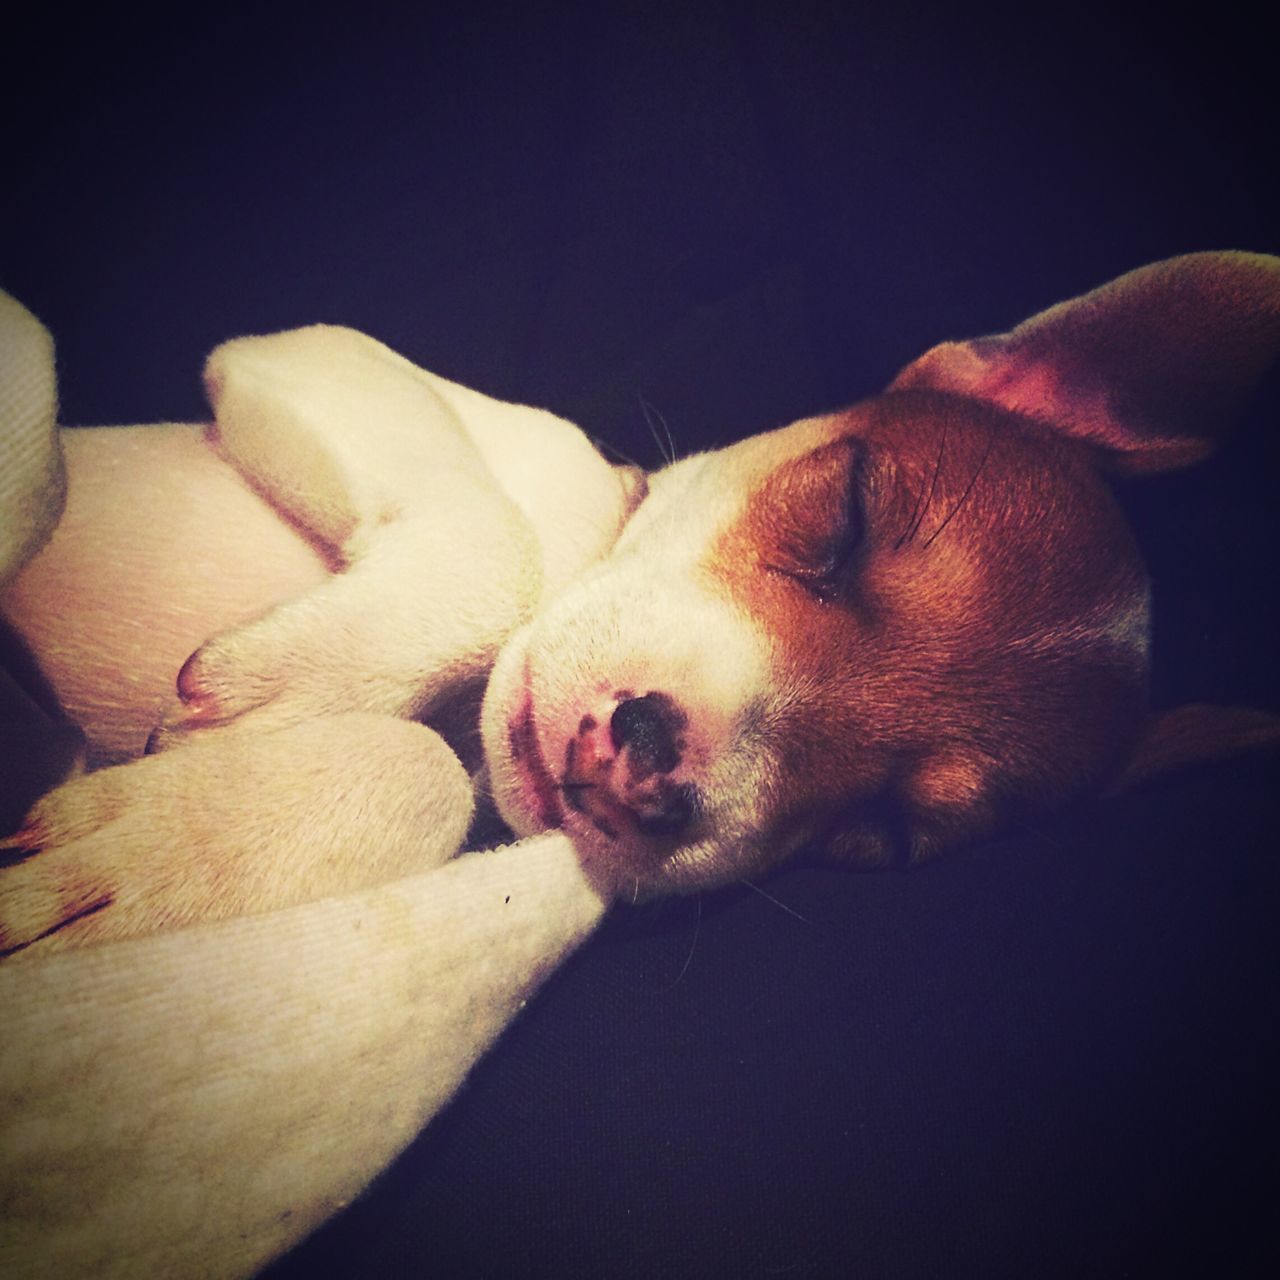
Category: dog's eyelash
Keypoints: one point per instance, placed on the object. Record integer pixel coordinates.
(841, 553)
(829, 574)
(849, 538)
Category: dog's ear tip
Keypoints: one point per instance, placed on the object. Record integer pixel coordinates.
(1157, 455)
(1192, 734)
(1150, 368)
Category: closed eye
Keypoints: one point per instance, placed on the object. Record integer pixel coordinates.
(819, 514)
(839, 555)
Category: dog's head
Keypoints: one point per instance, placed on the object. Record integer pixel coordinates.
(881, 631)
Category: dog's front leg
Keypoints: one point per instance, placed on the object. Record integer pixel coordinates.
(420, 612)
(437, 564)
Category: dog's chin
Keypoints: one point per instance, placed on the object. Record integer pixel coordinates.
(522, 734)
(524, 789)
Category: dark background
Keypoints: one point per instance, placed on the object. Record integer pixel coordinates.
(1051, 1055)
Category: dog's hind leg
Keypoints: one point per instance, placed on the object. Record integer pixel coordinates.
(237, 822)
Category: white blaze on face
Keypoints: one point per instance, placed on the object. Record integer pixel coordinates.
(650, 618)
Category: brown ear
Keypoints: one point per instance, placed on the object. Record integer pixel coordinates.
(1192, 734)
(1151, 368)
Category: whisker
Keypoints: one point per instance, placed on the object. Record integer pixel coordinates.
(964, 497)
(608, 450)
(665, 442)
(693, 945)
(922, 509)
(782, 906)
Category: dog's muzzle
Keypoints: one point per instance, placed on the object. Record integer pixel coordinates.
(623, 776)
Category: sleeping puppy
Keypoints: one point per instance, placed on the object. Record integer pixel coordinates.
(884, 631)
(876, 633)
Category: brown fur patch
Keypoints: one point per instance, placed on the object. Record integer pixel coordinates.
(955, 655)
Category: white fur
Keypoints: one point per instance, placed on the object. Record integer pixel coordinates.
(647, 618)
(200, 1099)
(390, 466)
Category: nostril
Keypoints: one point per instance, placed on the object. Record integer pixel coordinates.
(649, 727)
(672, 816)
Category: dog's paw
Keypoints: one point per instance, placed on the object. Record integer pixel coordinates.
(41, 899)
(256, 668)
(42, 890)
(419, 613)
(235, 822)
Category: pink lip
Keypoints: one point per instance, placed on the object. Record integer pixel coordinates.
(539, 785)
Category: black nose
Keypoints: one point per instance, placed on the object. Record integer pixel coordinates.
(650, 728)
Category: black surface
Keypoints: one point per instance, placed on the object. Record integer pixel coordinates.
(1053, 1055)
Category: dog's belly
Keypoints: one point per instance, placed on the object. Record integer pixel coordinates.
(161, 545)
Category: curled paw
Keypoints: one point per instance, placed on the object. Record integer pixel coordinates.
(42, 891)
(228, 677)
(212, 691)
(385, 636)
(76, 865)
(239, 821)
(275, 672)
(42, 905)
